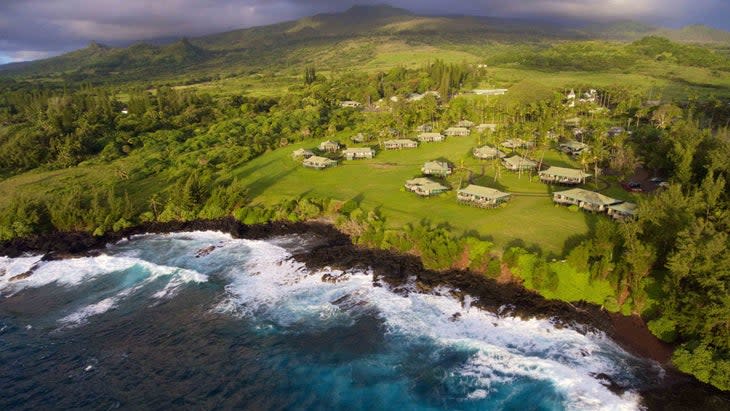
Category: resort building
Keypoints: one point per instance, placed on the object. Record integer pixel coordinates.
(484, 197)
(358, 153)
(484, 127)
(514, 143)
(517, 163)
(457, 131)
(425, 187)
(487, 153)
(587, 200)
(350, 104)
(436, 168)
(622, 211)
(302, 153)
(424, 128)
(573, 147)
(400, 144)
(319, 162)
(430, 137)
(490, 92)
(562, 175)
(329, 146)
(465, 124)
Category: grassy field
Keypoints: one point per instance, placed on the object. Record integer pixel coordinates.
(530, 218)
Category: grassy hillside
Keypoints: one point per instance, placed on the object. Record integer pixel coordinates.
(379, 38)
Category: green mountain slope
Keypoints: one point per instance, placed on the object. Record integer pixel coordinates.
(353, 38)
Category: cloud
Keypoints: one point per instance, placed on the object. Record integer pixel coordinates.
(37, 28)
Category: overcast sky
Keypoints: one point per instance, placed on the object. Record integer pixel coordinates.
(32, 29)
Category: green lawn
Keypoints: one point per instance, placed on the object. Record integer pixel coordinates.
(530, 218)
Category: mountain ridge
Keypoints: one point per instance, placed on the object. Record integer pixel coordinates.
(274, 44)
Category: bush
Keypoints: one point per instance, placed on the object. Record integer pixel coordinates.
(664, 328)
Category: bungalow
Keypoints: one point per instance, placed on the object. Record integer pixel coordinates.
(350, 104)
(587, 200)
(329, 146)
(465, 124)
(457, 131)
(425, 187)
(400, 144)
(517, 163)
(358, 153)
(436, 168)
(562, 175)
(430, 137)
(487, 153)
(573, 147)
(319, 162)
(490, 92)
(622, 211)
(424, 128)
(302, 153)
(486, 126)
(482, 196)
(513, 143)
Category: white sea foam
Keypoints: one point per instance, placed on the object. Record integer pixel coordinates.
(505, 348)
(265, 283)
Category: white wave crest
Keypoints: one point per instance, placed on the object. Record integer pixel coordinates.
(273, 286)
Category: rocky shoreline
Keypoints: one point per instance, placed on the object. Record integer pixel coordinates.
(334, 249)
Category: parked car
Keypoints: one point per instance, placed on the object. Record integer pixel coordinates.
(632, 186)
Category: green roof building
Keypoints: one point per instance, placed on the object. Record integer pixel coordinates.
(585, 199)
(358, 153)
(562, 175)
(436, 168)
(484, 197)
(622, 211)
(302, 153)
(425, 187)
(319, 162)
(487, 153)
(430, 137)
(399, 144)
(517, 163)
(329, 146)
(457, 131)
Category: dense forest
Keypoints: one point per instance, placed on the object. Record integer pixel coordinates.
(172, 149)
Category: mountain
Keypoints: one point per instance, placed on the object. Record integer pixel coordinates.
(350, 38)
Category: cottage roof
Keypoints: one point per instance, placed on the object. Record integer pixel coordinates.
(301, 152)
(487, 151)
(329, 143)
(518, 161)
(399, 141)
(485, 126)
(454, 129)
(565, 172)
(430, 134)
(574, 145)
(465, 123)
(317, 160)
(484, 192)
(436, 165)
(624, 208)
(358, 150)
(588, 196)
(426, 184)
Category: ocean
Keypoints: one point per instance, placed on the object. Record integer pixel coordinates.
(201, 320)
